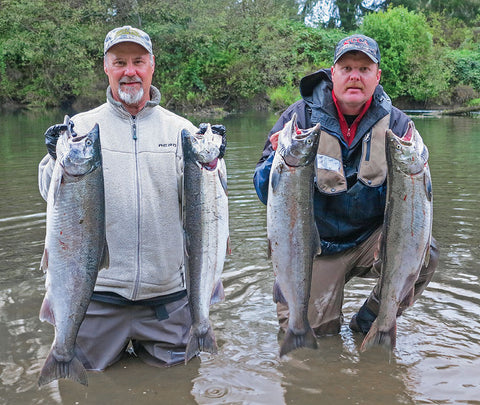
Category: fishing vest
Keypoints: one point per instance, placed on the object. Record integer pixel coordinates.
(372, 171)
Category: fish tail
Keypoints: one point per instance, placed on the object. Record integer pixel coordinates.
(54, 370)
(376, 337)
(197, 343)
(293, 341)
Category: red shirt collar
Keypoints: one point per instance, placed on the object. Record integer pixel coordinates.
(349, 133)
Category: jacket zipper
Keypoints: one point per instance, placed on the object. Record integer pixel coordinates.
(367, 141)
(137, 272)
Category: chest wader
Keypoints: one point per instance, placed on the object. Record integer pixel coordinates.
(372, 171)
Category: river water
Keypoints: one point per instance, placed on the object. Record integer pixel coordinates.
(437, 359)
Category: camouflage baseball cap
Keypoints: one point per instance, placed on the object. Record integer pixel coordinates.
(357, 42)
(127, 34)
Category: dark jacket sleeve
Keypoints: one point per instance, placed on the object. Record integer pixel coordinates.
(262, 170)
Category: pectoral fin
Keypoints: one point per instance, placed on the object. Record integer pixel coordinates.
(105, 262)
(275, 177)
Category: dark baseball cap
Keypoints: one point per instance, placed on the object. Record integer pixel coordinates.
(357, 42)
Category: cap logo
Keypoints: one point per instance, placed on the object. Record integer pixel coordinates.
(363, 43)
(127, 32)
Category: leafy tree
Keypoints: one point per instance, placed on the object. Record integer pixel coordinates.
(46, 52)
(348, 13)
(465, 10)
(411, 64)
(219, 52)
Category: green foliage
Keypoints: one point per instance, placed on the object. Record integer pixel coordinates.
(46, 57)
(466, 67)
(223, 53)
(283, 96)
(474, 102)
(233, 56)
(411, 64)
(464, 10)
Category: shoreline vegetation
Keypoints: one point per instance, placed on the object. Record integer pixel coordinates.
(225, 56)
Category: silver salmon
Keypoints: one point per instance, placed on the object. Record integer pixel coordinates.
(75, 247)
(206, 233)
(291, 229)
(406, 234)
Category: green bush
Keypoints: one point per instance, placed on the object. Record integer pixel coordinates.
(466, 68)
(411, 64)
(217, 52)
(47, 53)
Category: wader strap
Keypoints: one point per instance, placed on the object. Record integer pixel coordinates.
(373, 164)
(330, 177)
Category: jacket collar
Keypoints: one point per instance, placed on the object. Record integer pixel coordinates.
(147, 109)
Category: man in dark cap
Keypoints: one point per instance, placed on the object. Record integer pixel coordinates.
(349, 202)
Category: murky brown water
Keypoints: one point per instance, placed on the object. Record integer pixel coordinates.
(437, 359)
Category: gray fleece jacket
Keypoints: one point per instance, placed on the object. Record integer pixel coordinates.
(143, 173)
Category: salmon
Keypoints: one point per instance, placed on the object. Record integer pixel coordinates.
(291, 229)
(206, 233)
(406, 233)
(75, 247)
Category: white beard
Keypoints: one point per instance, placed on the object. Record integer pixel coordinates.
(130, 98)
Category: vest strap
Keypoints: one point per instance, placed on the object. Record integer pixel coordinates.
(373, 164)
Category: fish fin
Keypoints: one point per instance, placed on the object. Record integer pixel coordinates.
(56, 190)
(53, 370)
(376, 337)
(218, 294)
(278, 294)
(317, 243)
(105, 261)
(186, 244)
(223, 180)
(427, 181)
(426, 259)
(229, 248)
(44, 262)
(46, 313)
(275, 177)
(293, 341)
(200, 342)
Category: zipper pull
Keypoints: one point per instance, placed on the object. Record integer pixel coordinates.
(134, 129)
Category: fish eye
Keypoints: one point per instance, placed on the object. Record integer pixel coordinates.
(309, 140)
(88, 142)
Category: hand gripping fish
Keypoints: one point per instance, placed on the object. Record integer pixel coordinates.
(406, 231)
(75, 247)
(291, 229)
(206, 232)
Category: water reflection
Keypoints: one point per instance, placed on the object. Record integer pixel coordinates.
(438, 350)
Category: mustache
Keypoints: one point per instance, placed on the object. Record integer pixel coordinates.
(354, 86)
(128, 79)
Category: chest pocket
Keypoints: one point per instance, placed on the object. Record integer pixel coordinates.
(330, 175)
